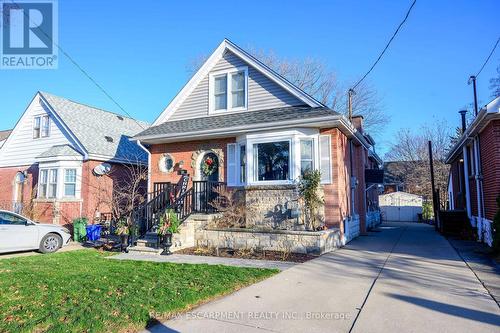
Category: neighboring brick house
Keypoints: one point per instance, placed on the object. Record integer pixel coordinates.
(47, 163)
(474, 180)
(239, 122)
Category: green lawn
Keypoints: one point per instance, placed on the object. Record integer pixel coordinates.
(83, 291)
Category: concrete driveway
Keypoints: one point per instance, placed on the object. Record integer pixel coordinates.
(403, 278)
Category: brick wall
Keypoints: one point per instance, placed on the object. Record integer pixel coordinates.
(490, 157)
(183, 151)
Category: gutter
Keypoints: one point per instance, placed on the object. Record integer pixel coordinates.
(322, 122)
(139, 143)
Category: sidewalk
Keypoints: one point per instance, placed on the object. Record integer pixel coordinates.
(192, 259)
(404, 278)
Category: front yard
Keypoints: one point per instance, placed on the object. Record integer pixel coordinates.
(85, 292)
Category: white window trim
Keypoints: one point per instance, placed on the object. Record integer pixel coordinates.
(48, 126)
(330, 174)
(65, 182)
(313, 157)
(252, 177)
(40, 129)
(211, 85)
(61, 166)
(34, 126)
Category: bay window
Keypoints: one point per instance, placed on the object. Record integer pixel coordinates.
(274, 158)
(228, 90)
(272, 161)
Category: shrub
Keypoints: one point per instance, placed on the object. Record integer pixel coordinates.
(309, 192)
(427, 212)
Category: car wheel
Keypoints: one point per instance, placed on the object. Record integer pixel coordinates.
(50, 243)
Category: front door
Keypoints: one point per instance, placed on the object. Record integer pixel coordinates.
(209, 168)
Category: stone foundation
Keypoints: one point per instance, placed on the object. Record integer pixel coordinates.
(316, 242)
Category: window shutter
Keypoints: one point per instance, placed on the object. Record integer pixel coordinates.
(325, 161)
(231, 164)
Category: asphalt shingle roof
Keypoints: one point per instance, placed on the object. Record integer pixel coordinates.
(4, 134)
(100, 132)
(238, 119)
(60, 150)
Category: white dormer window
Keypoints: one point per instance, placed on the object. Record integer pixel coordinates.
(229, 90)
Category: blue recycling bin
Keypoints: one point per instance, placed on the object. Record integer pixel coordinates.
(93, 232)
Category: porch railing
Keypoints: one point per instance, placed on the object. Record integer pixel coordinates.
(197, 199)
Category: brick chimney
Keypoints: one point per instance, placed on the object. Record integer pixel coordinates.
(357, 122)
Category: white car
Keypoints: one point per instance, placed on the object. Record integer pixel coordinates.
(18, 233)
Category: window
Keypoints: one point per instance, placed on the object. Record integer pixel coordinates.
(243, 164)
(52, 190)
(41, 127)
(69, 182)
(229, 90)
(43, 179)
(36, 127)
(11, 219)
(306, 156)
(325, 159)
(45, 126)
(220, 92)
(238, 89)
(272, 161)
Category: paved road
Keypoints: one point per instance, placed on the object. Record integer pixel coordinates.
(403, 278)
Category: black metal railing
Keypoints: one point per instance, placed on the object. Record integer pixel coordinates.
(197, 199)
(204, 193)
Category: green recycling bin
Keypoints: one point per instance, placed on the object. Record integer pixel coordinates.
(79, 229)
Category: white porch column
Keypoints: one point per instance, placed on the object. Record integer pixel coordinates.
(466, 178)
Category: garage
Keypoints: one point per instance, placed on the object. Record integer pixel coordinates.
(400, 206)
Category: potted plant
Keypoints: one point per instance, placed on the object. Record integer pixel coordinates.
(169, 224)
(123, 230)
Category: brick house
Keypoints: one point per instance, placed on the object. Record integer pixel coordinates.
(237, 121)
(474, 179)
(63, 160)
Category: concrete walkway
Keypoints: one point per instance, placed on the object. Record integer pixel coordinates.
(404, 278)
(192, 259)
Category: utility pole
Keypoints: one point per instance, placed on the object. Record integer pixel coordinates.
(473, 80)
(434, 201)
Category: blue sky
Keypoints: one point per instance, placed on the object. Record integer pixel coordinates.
(139, 51)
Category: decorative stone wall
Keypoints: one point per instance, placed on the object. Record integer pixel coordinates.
(275, 208)
(314, 242)
(351, 226)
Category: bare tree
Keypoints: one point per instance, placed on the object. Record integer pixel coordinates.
(495, 84)
(315, 78)
(411, 149)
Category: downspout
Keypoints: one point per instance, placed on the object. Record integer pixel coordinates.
(139, 143)
(466, 179)
(478, 184)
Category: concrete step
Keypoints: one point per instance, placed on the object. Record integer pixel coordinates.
(144, 249)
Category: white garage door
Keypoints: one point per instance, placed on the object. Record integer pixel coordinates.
(400, 206)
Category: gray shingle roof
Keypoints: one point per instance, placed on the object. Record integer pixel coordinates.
(59, 150)
(100, 132)
(238, 119)
(4, 134)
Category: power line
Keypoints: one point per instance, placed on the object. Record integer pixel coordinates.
(387, 46)
(489, 56)
(84, 72)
